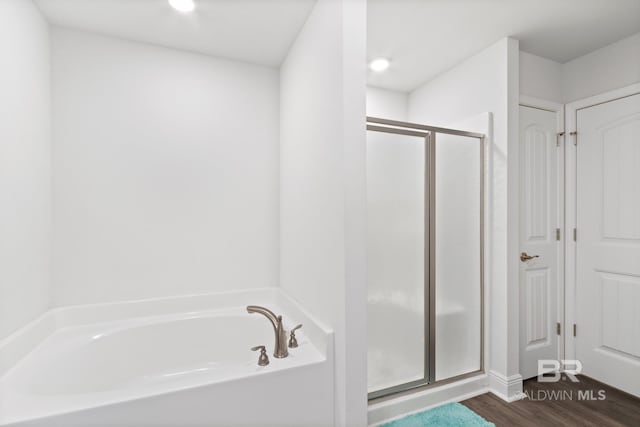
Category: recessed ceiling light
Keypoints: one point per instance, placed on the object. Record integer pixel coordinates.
(183, 5)
(379, 65)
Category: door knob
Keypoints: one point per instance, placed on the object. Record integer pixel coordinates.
(524, 257)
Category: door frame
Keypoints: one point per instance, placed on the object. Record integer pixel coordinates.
(559, 110)
(571, 111)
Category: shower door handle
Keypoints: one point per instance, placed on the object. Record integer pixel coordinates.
(524, 257)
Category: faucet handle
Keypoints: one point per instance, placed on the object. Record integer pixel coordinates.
(263, 360)
(293, 342)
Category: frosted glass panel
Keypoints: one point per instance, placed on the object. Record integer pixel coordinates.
(395, 251)
(457, 255)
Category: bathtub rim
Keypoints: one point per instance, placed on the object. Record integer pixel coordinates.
(27, 339)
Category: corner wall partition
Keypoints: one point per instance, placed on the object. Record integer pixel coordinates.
(425, 248)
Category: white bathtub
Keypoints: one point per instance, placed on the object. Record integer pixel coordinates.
(163, 368)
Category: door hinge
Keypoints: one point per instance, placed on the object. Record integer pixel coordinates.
(574, 329)
(574, 134)
(558, 328)
(557, 234)
(558, 135)
(575, 234)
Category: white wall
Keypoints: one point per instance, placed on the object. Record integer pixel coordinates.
(606, 69)
(387, 104)
(488, 82)
(322, 187)
(165, 171)
(540, 77)
(611, 67)
(25, 164)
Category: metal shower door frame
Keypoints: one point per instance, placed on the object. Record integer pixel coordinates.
(429, 134)
(429, 301)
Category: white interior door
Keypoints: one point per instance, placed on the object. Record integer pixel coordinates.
(539, 219)
(608, 243)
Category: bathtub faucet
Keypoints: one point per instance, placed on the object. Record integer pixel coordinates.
(280, 350)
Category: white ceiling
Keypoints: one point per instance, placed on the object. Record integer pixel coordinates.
(424, 38)
(257, 31)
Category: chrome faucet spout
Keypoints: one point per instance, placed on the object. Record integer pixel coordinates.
(265, 312)
(280, 351)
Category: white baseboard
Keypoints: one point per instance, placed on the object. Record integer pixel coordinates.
(508, 389)
(402, 406)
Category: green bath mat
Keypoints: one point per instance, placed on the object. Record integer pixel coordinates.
(449, 415)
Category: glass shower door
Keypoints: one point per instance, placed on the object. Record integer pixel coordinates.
(457, 256)
(425, 191)
(397, 258)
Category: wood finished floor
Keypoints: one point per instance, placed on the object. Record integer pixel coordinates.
(617, 409)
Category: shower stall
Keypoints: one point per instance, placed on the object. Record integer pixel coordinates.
(425, 244)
